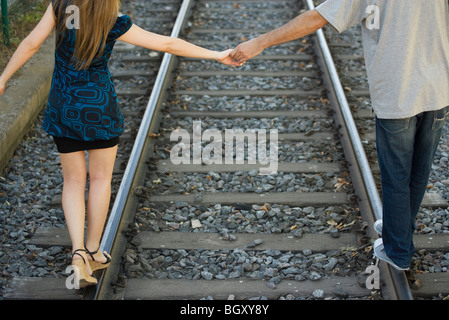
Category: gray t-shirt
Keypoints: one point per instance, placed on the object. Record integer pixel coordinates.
(406, 45)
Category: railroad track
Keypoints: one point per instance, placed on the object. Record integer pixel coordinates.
(229, 229)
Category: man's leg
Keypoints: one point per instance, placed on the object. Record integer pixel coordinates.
(428, 136)
(395, 140)
(423, 133)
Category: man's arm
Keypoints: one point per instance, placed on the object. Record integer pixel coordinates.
(304, 24)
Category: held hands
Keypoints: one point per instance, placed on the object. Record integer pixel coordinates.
(246, 50)
(225, 58)
(243, 52)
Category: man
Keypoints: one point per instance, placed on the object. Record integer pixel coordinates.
(407, 60)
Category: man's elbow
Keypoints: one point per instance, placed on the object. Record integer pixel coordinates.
(319, 20)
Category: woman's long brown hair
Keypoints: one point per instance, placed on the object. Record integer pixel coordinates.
(96, 19)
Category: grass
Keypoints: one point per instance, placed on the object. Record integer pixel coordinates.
(23, 18)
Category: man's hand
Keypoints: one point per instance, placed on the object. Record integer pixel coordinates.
(304, 24)
(246, 50)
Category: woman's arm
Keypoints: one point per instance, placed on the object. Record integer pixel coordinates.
(29, 46)
(142, 38)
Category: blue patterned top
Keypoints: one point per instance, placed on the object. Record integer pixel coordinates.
(83, 104)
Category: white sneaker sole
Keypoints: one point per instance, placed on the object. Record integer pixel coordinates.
(379, 252)
(378, 227)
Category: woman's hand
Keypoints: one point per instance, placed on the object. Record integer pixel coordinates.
(224, 57)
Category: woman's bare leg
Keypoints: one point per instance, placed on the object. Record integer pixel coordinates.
(101, 165)
(73, 200)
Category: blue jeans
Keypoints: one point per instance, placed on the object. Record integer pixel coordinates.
(405, 150)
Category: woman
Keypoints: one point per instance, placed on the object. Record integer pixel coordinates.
(82, 111)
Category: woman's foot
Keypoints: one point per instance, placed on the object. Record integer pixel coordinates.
(80, 254)
(82, 269)
(98, 260)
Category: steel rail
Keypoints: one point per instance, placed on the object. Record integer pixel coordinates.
(400, 280)
(112, 225)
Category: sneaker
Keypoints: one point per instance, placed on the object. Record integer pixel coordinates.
(379, 252)
(378, 227)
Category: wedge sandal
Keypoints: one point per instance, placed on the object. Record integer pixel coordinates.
(82, 277)
(95, 265)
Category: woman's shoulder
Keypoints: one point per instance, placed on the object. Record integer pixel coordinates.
(122, 25)
(123, 20)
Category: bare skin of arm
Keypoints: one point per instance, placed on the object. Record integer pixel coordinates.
(154, 41)
(304, 24)
(29, 46)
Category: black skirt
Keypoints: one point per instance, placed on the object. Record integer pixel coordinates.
(67, 145)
